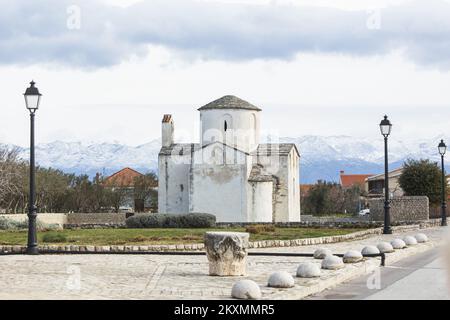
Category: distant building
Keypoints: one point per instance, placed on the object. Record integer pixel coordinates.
(375, 184)
(124, 179)
(350, 180)
(305, 188)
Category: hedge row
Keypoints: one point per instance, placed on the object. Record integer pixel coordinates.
(9, 224)
(159, 220)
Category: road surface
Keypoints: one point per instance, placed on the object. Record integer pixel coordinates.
(421, 277)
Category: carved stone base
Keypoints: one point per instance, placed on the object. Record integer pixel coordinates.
(227, 253)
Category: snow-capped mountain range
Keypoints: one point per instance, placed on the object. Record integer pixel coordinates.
(322, 157)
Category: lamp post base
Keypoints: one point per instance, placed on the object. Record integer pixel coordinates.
(32, 250)
(387, 231)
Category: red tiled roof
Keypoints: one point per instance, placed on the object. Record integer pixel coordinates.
(348, 180)
(304, 188)
(123, 178)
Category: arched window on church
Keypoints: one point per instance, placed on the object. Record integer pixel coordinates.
(227, 122)
(227, 128)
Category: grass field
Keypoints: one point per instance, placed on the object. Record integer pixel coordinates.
(155, 236)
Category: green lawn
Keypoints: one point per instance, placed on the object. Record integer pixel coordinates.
(160, 236)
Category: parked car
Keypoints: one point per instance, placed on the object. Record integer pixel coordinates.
(364, 212)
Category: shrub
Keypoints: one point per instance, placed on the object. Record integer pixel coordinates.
(9, 224)
(146, 221)
(159, 220)
(422, 178)
(196, 220)
(258, 228)
(21, 225)
(46, 226)
(54, 237)
(132, 222)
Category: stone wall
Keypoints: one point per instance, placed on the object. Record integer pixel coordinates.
(92, 219)
(327, 219)
(47, 218)
(402, 209)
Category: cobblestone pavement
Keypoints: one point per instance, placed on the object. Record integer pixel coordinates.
(162, 276)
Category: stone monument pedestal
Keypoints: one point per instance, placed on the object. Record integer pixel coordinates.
(227, 253)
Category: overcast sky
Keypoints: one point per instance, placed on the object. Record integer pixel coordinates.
(109, 70)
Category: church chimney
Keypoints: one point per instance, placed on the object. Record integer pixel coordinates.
(167, 130)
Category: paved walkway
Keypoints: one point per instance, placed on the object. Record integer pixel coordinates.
(161, 276)
(419, 277)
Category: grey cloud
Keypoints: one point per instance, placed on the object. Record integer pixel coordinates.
(35, 31)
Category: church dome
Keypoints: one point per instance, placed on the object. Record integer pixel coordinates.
(229, 102)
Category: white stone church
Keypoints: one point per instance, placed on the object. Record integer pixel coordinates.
(229, 173)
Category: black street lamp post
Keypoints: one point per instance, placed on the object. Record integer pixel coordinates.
(386, 127)
(32, 100)
(442, 149)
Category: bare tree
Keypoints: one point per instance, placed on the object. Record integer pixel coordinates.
(10, 173)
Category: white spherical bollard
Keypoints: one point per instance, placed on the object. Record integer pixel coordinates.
(352, 256)
(332, 263)
(246, 289)
(410, 240)
(421, 237)
(281, 279)
(370, 250)
(322, 253)
(385, 247)
(398, 244)
(308, 270)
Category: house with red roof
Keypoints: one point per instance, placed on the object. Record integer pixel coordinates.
(123, 178)
(124, 182)
(350, 180)
(305, 188)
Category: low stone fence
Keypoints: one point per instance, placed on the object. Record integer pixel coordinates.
(327, 223)
(76, 220)
(326, 219)
(200, 246)
(117, 220)
(402, 209)
(95, 226)
(47, 218)
(95, 220)
(195, 246)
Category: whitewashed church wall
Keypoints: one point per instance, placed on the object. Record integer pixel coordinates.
(219, 154)
(173, 195)
(220, 190)
(294, 187)
(260, 202)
